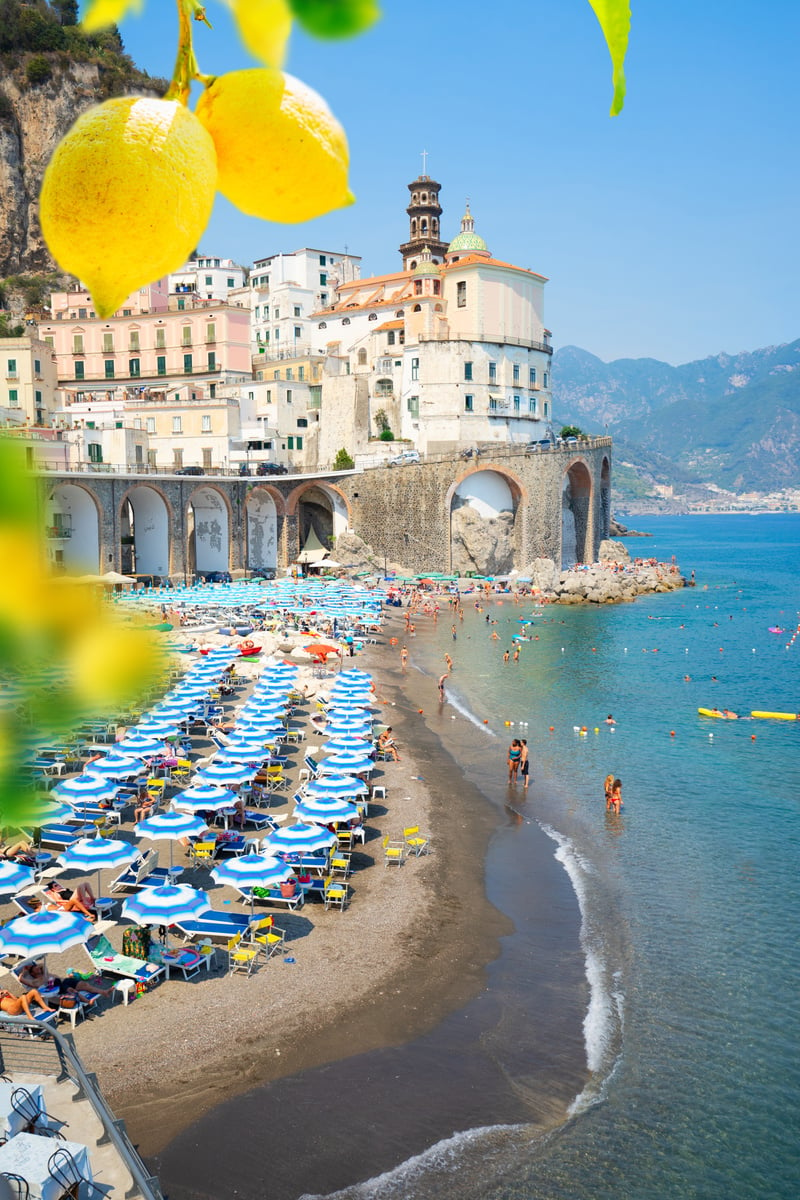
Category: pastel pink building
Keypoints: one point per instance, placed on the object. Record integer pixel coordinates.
(154, 338)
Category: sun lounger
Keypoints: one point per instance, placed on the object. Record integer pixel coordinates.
(141, 873)
(105, 959)
(218, 926)
(64, 836)
(274, 896)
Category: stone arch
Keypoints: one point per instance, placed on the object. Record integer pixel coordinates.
(576, 514)
(73, 525)
(263, 508)
(321, 507)
(208, 530)
(485, 506)
(145, 519)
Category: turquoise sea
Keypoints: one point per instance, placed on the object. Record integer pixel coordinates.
(684, 999)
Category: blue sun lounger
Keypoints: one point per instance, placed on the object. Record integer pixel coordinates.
(216, 925)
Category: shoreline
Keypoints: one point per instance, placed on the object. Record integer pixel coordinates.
(305, 1030)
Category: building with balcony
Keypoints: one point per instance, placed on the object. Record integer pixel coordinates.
(210, 278)
(286, 289)
(447, 354)
(28, 382)
(154, 338)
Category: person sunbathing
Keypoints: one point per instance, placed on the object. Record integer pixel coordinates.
(64, 900)
(16, 1006)
(21, 848)
(388, 745)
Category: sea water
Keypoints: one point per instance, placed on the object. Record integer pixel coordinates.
(688, 900)
(679, 1001)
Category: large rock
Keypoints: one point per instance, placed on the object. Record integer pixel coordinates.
(480, 544)
(543, 574)
(612, 551)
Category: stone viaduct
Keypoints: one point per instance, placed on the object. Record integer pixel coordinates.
(555, 503)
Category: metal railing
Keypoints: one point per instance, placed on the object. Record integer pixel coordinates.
(30, 1048)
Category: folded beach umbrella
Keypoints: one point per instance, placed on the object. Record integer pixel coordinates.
(299, 839)
(143, 747)
(86, 787)
(117, 766)
(336, 785)
(230, 773)
(95, 853)
(14, 876)
(44, 932)
(325, 812)
(348, 761)
(165, 905)
(203, 797)
(171, 827)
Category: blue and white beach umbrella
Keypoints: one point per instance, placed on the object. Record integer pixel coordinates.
(151, 728)
(165, 905)
(336, 785)
(298, 839)
(86, 787)
(348, 761)
(44, 932)
(117, 766)
(325, 812)
(171, 827)
(346, 745)
(245, 752)
(95, 853)
(347, 728)
(143, 747)
(203, 798)
(230, 773)
(252, 870)
(14, 876)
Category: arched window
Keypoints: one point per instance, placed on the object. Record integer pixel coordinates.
(423, 225)
(437, 308)
(399, 313)
(437, 287)
(434, 225)
(417, 287)
(424, 197)
(345, 320)
(415, 197)
(373, 317)
(417, 308)
(362, 357)
(413, 226)
(412, 266)
(322, 325)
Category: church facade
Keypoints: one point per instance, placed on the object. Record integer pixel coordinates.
(448, 353)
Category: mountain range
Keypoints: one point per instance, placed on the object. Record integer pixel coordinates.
(730, 421)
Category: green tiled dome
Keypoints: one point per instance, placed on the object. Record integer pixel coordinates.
(466, 241)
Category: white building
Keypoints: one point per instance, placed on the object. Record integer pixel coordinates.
(28, 381)
(286, 290)
(447, 354)
(210, 278)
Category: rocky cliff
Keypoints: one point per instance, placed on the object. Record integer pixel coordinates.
(49, 74)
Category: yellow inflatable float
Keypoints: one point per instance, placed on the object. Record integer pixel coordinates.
(770, 716)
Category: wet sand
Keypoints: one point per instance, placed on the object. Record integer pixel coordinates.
(409, 1062)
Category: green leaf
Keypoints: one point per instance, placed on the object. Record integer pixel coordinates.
(335, 18)
(615, 21)
(102, 13)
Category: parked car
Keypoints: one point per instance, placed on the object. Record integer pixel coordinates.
(189, 471)
(271, 468)
(401, 460)
(542, 444)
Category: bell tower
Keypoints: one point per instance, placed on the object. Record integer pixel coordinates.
(424, 213)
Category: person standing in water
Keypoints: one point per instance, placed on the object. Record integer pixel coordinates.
(514, 759)
(441, 685)
(524, 762)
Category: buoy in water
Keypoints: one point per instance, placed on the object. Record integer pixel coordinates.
(672, 733)
(552, 728)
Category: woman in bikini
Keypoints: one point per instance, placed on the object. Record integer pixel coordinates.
(514, 760)
(16, 1006)
(58, 897)
(608, 788)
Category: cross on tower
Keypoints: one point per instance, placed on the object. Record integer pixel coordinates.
(424, 161)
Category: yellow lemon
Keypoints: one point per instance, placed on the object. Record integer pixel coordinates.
(281, 153)
(127, 195)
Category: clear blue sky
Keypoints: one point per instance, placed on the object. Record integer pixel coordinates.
(670, 231)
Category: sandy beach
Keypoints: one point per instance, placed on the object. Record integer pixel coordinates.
(412, 945)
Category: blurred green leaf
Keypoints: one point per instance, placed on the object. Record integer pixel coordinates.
(615, 21)
(335, 18)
